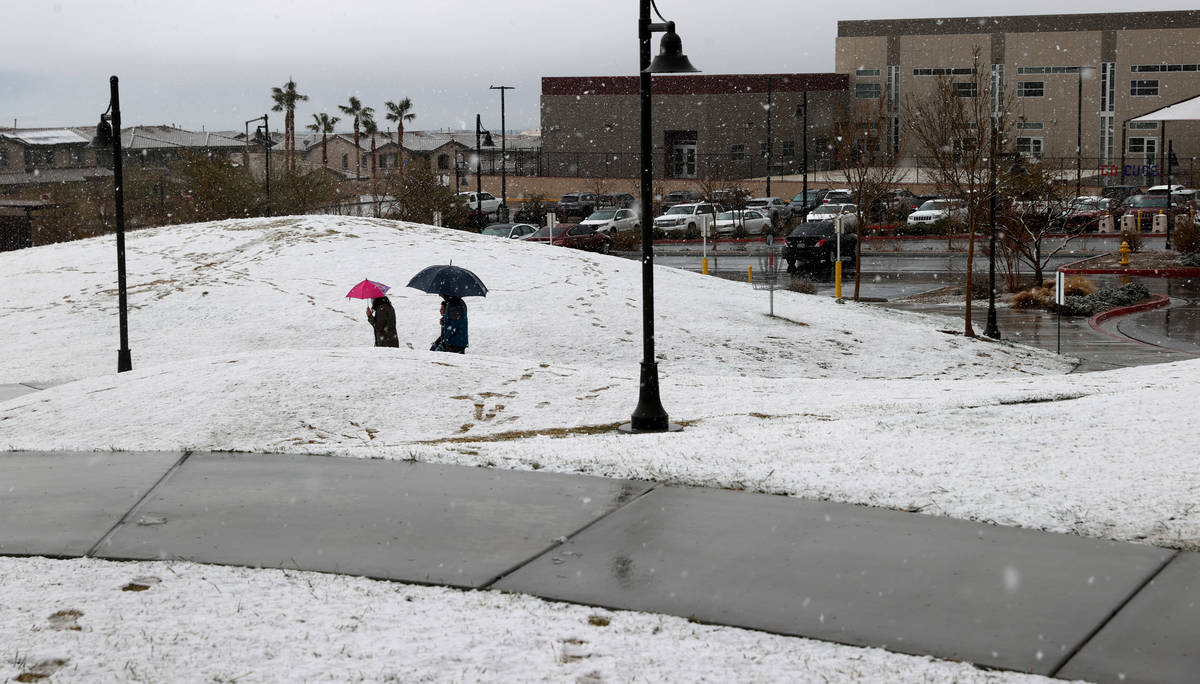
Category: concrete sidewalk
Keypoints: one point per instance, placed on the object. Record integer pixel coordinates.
(1000, 597)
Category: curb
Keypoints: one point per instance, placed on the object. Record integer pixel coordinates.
(1078, 268)
(1159, 302)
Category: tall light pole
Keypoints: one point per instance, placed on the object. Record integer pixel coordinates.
(649, 416)
(992, 330)
(108, 134)
(487, 140)
(802, 110)
(262, 136)
(770, 143)
(503, 154)
(1079, 130)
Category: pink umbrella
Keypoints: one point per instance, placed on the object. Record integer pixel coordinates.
(368, 289)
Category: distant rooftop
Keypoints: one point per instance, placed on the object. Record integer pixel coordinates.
(54, 136)
(1030, 23)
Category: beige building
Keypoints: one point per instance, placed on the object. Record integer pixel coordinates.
(723, 126)
(1067, 79)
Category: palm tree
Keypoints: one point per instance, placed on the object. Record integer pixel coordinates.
(285, 101)
(369, 128)
(399, 112)
(323, 124)
(355, 109)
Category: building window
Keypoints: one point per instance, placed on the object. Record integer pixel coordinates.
(3, 157)
(39, 158)
(1048, 70)
(365, 161)
(1030, 147)
(867, 91)
(1155, 68)
(939, 71)
(763, 148)
(75, 154)
(1143, 125)
(737, 152)
(443, 161)
(1029, 125)
(866, 72)
(1144, 88)
(345, 161)
(1031, 88)
(1146, 146)
(966, 89)
(789, 148)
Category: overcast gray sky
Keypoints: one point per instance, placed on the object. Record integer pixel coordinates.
(212, 63)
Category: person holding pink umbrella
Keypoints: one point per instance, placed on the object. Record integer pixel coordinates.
(380, 314)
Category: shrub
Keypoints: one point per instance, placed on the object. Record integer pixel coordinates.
(1133, 238)
(801, 285)
(626, 241)
(1186, 237)
(1105, 299)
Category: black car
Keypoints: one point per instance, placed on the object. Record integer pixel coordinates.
(680, 197)
(800, 205)
(620, 200)
(813, 248)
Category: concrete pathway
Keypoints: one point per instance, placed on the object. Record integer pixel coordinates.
(999, 597)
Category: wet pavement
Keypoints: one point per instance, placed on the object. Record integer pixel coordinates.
(1000, 597)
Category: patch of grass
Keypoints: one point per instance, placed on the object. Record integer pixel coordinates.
(598, 621)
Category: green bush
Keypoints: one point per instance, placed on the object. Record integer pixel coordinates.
(1186, 237)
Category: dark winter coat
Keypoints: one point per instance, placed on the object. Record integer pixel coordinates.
(454, 325)
(382, 317)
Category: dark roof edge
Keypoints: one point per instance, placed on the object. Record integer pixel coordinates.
(1031, 23)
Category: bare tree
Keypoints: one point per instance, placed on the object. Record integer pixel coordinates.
(867, 164)
(954, 127)
(1036, 215)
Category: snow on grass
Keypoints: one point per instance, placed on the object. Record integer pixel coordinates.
(242, 341)
(92, 620)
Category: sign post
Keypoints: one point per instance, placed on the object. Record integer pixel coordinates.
(1060, 298)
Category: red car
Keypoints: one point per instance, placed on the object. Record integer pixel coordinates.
(585, 238)
(545, 235)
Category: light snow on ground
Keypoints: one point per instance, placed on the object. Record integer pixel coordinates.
(242, 340)
(92, 620)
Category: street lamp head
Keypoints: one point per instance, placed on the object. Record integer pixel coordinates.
(670, 59)
(104, 133)
(487, 140)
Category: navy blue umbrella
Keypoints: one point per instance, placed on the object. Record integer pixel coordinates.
(448, 280)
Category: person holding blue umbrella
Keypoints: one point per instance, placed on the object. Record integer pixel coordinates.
(452, 283)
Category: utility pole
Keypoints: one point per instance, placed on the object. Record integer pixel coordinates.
(503, 153)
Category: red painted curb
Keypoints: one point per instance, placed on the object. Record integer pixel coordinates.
(1078, 268)
(1157, 303)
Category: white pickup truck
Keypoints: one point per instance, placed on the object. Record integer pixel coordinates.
(485, 202)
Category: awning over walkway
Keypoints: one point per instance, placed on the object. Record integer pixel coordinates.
(1188, 110)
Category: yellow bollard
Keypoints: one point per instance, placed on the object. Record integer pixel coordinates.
(1124, 250)
(837, 280)
(749, 274)
(704, 266)
(1138, 214)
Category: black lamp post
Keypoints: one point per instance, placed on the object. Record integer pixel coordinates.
(503, 155)
(770, 143)
(108, 134)
(649, 416)
(802, 110)
(487, 142)
(262, 136)
(992, 330)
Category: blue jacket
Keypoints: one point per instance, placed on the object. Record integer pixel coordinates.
(454, 323)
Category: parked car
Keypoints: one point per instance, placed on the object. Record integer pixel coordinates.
(813, 247)
(776, 208)
(801, 205)
(754, 222)
(935, 210)
(1144, 207)
(544, 235)
(612, 220)
(682, 217)
(586, 238)
(484, 202)
(622, 200)
(848, 214)
(838, 196)
(1162, 189)
(514, 231)
(680, 197)
(576, 204)
(1120, 192)
(1083, 214)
